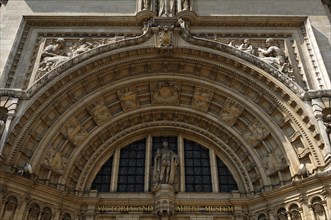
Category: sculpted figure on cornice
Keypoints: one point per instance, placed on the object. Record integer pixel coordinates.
(99, 112)
(52, 56)
(202, 98)
(74, 132)
(128, 97)
(271, 54)
(81, 46)
(165, 93)
(57, 52)
(230, 112)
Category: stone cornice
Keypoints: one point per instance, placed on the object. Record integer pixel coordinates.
(313, 94)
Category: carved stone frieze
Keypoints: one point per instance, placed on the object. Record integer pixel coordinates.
(55, 160)
(165, 93)
(74, 131)
(202, 98)
(257, 132)
(128, 98)
(99, 112)
(273, 161)
(231, 111)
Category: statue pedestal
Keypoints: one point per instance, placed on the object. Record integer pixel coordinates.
(164, 201)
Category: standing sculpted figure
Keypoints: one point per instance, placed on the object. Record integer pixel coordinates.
(272, 54)
(146, 4)
(327, 124)
(165, 165)
(166, 8)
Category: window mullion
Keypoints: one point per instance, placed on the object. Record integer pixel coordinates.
(113, 183)
(213, 167)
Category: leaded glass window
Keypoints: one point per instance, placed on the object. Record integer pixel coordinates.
(225, 179)
(131, 171)
(102, 180)
(197, 168)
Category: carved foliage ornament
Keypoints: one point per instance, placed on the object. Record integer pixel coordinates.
(230, 112)
(128, 97)
(202, 98)
(165, 93)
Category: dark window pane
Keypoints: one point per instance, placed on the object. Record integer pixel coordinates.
(197, 168)
(225, 179)
(102, 180)
(132, 170)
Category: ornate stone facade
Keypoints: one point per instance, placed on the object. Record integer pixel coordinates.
(81, 84)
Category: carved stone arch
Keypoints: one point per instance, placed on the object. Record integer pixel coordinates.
(223, 70)
(10, 206)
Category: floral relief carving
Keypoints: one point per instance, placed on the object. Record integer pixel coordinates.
(99, 112)
(202, 98)
(128, 98)
(74, 131)
(165, 93)
(230, 112)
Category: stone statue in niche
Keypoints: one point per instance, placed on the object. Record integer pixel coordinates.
(186, 4)
(327, 123)
(146, 4)
(165, 166)
(166, 8)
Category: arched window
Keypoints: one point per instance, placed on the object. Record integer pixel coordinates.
(134, 167)
(281, 214)
(102, 180)
(46, 214)
(318, 208)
